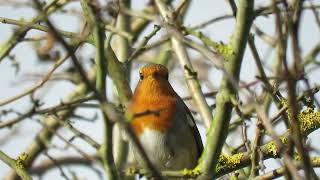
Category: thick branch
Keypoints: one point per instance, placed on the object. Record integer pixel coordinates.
(217, 132)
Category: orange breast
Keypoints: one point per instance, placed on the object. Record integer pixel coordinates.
(165, 107)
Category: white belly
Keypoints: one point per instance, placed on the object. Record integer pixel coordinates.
(173, 151)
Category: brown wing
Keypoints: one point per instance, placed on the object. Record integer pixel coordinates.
(194, 129)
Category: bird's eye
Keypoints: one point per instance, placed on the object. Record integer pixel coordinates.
(167, 76)
(155, 74)
(141, 76)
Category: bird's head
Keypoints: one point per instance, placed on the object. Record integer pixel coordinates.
(154, 71)
(153, 81)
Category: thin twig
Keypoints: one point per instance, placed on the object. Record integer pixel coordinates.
(185, 63)
(63, 174)
(37, 85)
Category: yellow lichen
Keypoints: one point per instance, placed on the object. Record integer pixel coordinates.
(197, 169)
(316, 160)
(309, 120)
(20, 160)
(284, 139)
(185, 172)
(296, 157)
(191, 172)
(229, 161)
(284, 102)
(234, 177)
(272, 148)
(132, 170)
(235, 159)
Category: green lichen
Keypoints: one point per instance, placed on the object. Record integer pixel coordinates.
(224, 49)
(129, 116)
(229, 161)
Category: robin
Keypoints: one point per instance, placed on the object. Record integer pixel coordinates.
(163, 123)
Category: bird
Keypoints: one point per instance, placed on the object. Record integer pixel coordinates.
(162, 122)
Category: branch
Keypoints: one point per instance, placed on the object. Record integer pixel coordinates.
(16, 165)
(32, 25)
(37, 85)
(315, 162)
(68, 34)
(185, 63)
(141, 47)
(92, 15)
(44, 135)
(54, 109)
(46, 165)
(217, 132)
(16, 37)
